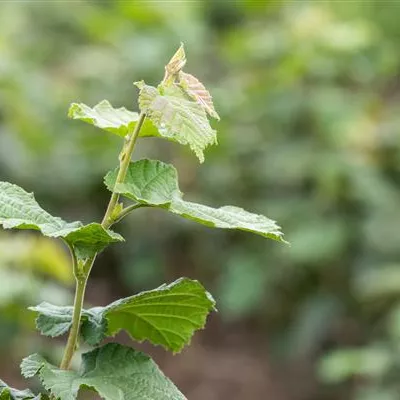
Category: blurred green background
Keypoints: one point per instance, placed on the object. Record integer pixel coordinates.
(309, 97)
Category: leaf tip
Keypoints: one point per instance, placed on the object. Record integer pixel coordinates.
(139, 84)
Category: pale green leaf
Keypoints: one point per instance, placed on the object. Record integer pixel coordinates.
(9, 393)
(119, 121)
(177, 117)
(114, 371)
(53, 320)
(19, 209)
(195, 89)
(371, 362)
(166, 316)
(155, 183)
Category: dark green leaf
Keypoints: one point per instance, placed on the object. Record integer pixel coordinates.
(114, 371)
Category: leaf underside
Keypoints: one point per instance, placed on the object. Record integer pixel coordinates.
(114, 371)
(166, 316)
(19, 209)
(118, 121)
(154, 183)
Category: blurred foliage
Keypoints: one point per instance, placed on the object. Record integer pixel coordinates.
(309, 135)
(32, 269)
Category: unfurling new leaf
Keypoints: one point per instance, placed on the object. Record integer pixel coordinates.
(195, 89)
(177, 117)
(175, 64)
(114, 371)
(166, 316)
(154, 183)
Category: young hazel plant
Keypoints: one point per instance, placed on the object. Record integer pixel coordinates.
(168, 316)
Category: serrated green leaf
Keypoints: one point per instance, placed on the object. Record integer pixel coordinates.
(195, 89)
(166, 316)
(9, 393)
(19, 209)
(147, 182)
(114, 371)
(155, 183)
(119, 121)
(177, 117)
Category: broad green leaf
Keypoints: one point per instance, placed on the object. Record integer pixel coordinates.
(119, 121)
(148, 182)
(19, 209)
(9, 393)
(166, 316)
(156, 184)
(177, 117)
(195, 89)
(114, 371)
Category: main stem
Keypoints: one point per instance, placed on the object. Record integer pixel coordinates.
(82, 274)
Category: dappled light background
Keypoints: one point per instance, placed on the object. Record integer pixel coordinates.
(309, 98)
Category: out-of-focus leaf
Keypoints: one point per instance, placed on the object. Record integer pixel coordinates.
(372, 362)
(9, 393)
(35, 254)
(378, 282)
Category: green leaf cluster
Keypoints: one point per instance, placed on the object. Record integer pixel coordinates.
(177, 110)
(166, 316)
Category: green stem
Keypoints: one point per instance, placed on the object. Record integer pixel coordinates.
(125, 159)
(82, 274)
(74, 332)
